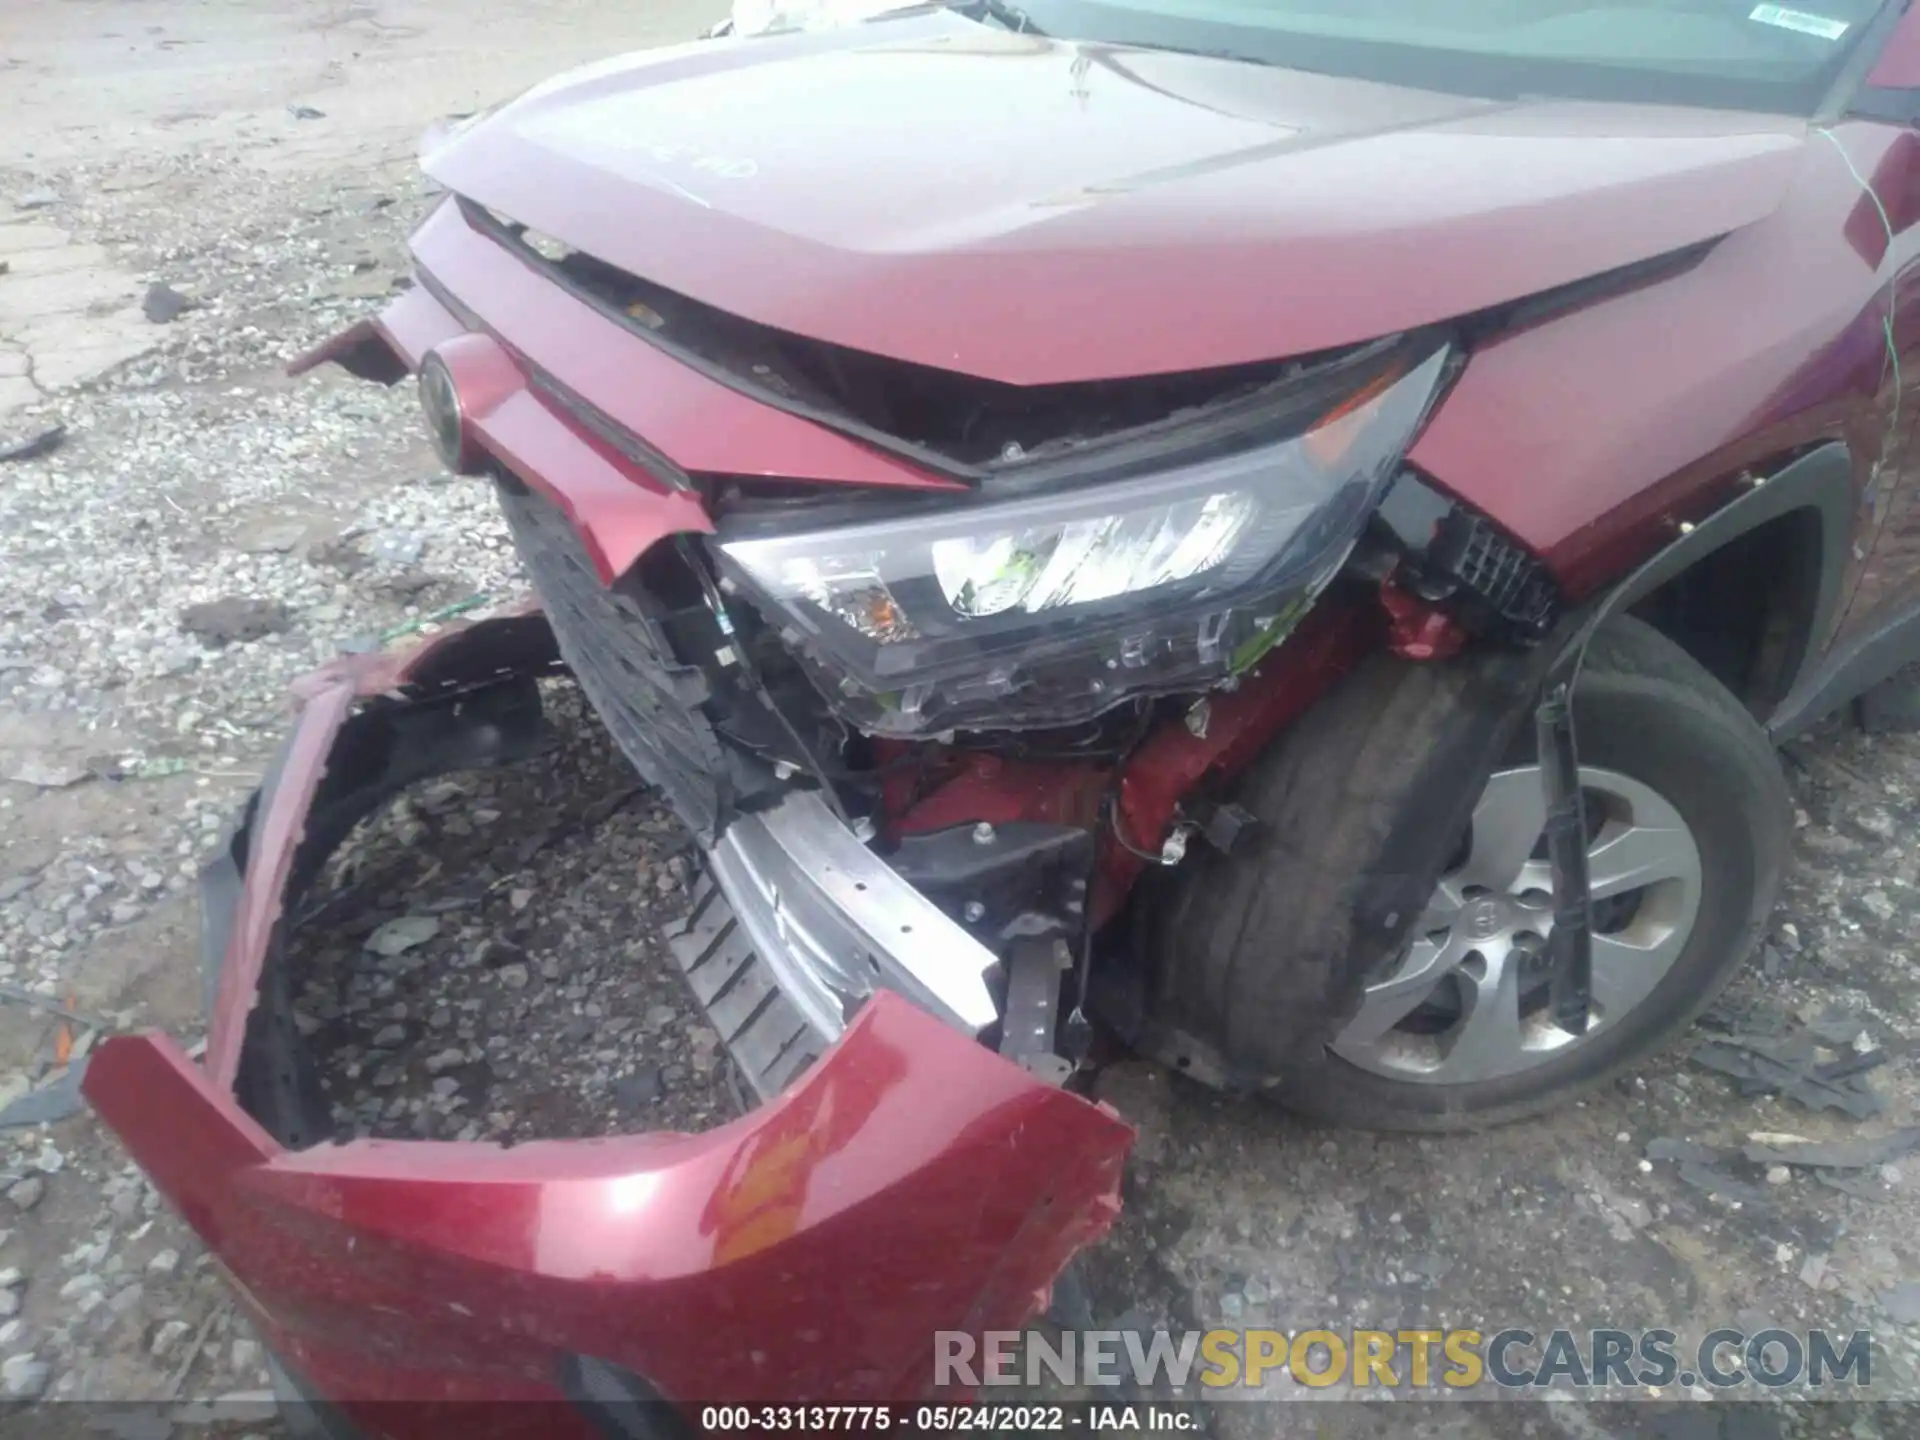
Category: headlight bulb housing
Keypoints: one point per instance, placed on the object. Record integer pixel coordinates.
(1052, 607)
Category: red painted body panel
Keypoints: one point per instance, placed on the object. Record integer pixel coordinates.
(699, 424)
(1593, 435)
(533, 329)
(1038, 210)
(910, 1181)
(741, 1264)
(1124, 212)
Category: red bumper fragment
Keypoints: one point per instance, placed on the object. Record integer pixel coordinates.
(909, 1182)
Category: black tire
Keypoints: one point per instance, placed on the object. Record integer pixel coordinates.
(1255, 962)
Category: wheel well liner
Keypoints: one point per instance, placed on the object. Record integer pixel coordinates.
(1849, 671)
(1805, 507)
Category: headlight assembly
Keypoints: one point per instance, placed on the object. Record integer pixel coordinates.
(1051, 608)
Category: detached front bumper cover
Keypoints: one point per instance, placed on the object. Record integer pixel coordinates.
(907, 1181)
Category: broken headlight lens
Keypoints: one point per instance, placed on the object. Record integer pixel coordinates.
(1051, 608)
(1081, 561)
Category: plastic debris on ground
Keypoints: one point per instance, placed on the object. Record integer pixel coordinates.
(1735, 1173)
(1705, 1168)
(1770, 1055)
(1860, 1154)
(34, 446)
(55, 1100)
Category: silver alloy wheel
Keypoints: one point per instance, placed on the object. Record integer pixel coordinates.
(1467, 1001)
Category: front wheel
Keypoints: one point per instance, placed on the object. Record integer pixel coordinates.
(1688, 823)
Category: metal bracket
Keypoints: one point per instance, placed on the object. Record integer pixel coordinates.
(1228, 827)
(1034, 969)
(1021, 880)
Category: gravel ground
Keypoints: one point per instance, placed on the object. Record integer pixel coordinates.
(469, 976)
(208, 530)
(310, 515)
(1240, 1215)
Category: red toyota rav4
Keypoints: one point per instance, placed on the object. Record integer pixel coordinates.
(1287, 529)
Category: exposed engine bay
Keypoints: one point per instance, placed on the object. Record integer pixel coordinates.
(1028, 837)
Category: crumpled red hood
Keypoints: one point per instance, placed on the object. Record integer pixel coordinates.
(1034, 210)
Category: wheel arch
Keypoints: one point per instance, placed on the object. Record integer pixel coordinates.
(1754, 591)
(1802, 507)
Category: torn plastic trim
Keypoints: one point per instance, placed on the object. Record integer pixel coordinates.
(829, 920)
(363, 349)
(461, 699)
(1444, 552)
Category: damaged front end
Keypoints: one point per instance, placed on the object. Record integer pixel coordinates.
(906, 1180)
(933, 667)
(933, 664)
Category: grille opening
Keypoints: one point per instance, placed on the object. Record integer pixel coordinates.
(615, 644)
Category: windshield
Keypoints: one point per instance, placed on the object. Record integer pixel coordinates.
(1732, 53)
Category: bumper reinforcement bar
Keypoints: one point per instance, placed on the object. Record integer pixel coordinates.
(796, 922)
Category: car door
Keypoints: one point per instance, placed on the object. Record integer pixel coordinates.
(1880, 138)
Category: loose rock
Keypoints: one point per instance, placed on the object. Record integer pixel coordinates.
(167, 1338)
(1902, 1303)
(1876, 822)
(396, 937)
(164, 304)
(23, 1377)
(235, 620)
(25, 1194)
(398, 547)
(1634, 1211)
(42, 773)
(633, 1092)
